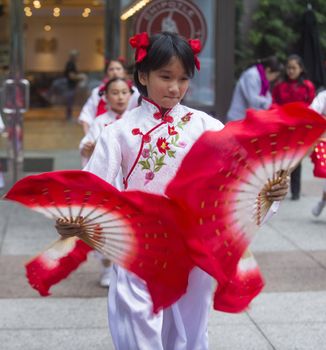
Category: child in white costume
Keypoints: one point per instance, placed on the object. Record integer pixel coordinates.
(160, 127)
(149, 144)
(319, 105)
(90, 110)
(117, 92)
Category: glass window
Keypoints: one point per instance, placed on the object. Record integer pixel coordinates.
(202, 87)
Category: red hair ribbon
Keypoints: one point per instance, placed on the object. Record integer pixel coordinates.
(195, 45)
(140, 42)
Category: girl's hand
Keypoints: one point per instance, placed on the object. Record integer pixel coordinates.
(88, 149)
(279, 191)
(67, 228)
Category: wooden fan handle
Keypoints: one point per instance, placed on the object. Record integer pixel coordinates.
(70, 227)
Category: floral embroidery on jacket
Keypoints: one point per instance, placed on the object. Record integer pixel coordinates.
(153, 156)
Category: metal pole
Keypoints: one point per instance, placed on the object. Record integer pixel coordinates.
(112, 28)
(17, 98)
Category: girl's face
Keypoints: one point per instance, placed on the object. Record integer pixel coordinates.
(115, 70)
(118, 96)
(271, 76)
(293, 69)
(167, 85)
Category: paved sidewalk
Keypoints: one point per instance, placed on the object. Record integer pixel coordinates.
(289, 315)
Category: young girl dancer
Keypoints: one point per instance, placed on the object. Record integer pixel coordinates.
(117, 93)
(95, 105)
(294, 88)
(149, 144)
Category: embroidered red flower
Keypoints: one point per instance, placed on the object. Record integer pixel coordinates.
(145, 153)
(162, 145)
(149, 175)
(195, 45)
(172, 130)
(187, 117)
(140, 42)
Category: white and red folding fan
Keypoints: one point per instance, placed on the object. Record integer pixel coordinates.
(139, 231)
(208, 218)
(224, 180)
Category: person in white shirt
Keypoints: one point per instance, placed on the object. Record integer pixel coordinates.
(319, 105)
(117, 93)
(252, 88)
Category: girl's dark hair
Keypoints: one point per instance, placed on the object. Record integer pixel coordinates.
(119, 59)
(272, 63)
(299, 60)
(162, 48)
(109, 82)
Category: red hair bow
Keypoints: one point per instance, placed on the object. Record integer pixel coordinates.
(140, 42)
(195, 45)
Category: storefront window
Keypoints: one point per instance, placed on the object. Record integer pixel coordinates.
(202, 87)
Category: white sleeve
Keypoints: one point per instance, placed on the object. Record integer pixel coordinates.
(210, 123)
(92, 134)
(319, 103)
(105, 161)
(133, 102)
(250, 88)
(88, 112)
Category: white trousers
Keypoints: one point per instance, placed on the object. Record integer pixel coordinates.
(183, 326)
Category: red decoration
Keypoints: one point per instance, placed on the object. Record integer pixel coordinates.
(162, 145)
(157, 115)
(195, 45)
(187, 117)
(171, 130)
(147, 138)
(101, 107)
(168, 119)
(140, 42)
(318, 157)
(56, 263)
(136, 131)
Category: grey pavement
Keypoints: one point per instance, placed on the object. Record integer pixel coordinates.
(290, 314)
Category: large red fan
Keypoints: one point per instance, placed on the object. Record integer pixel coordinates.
(209, 217)
(227, 191)
(139, 231)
